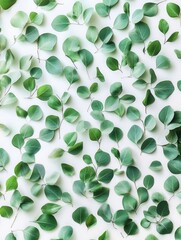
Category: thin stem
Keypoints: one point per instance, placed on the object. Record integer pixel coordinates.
(161, 2)
(171, 197)
(88, 74)
(73, 62)
(15, 218)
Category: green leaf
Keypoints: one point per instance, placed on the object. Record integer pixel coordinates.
(32, 146)
(140, 33)
(154, 48)
(53, 192)
(149, 98)
(52, 122)
(83, 92)
(150, 123)
(173, 37)
(102, 158)
(102, 10)
(133, 113)
(131, 228)
(44, 92)
(105, 212)
(70, 138)
(19, 20)
(177, 234)
(112, 63)
(151, 237)
(76, 149)
(60, 23)
(122, 188)
(139, 70)
(47, 222)
(18, 141)
(104, 236)
(94, 134)
(106, 34)
(165, 226)
(173, 10)
(87, 15)
(31, 34)
(50, 208)
(149, 146)
(71, 46)
(116, 134)
(92, 34)
(25, 62)
(11, 183)
(77, 10)
(66, 233)
(54, 66)
(35, 113)
(68, 169)
(174, 166)
(56, 153)
(116, 89)
(54, 103)
(125, 45)
(79, 187)
(111, 103)
(137, 15)
(171, 184)
(163, 26)
(31, 233)
(4, 159)
(163, 208)
(86, 57)
(135, 134)
(6, 211)
(164, 89)
(133, 173)
(110, 3)
(166, 115)
(120, 217)
(80, 215)
(99, 75)
(71, 115)
(71, 75)
(150, 9)
(148, 181)
(10, 236)
(162, 62)
(129, 203)
(6, 5)
(101, 194)
(106, 175)
(87, 174)
(47, 41)
(142, 194)
(121, 22)
(91, 221)
(156, 166)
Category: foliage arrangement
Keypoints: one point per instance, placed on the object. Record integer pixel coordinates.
(81, 120)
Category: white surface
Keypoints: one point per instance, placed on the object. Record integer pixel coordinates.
(8, 116)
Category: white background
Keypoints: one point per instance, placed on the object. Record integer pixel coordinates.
(8, 117)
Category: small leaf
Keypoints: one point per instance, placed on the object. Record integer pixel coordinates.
(135, 134)
(173, 10)
(164, 89)
(162, 62)
(47, 222)
(60, 23)
(80, 215)
(31, 233)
